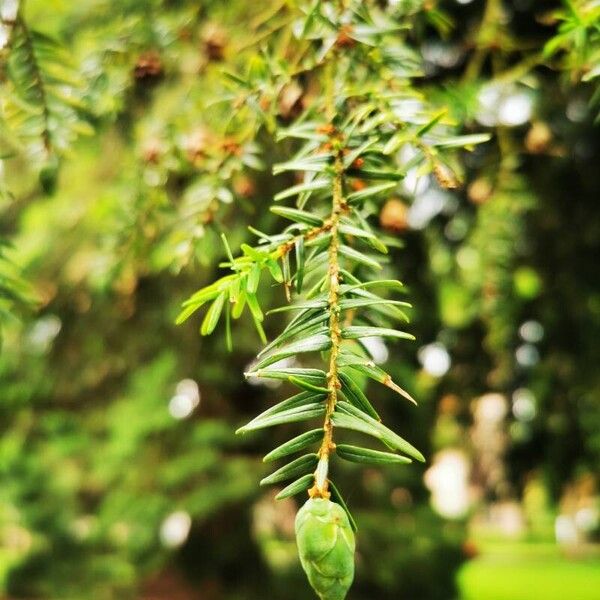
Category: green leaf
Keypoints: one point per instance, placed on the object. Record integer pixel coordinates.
(369, 237)
(394, 143)
(212, 315)
(300, 261)
(392, 284)
(301, 188)
(337, 497)
(296, 215)
(228, 336)
(301, 332)
(237, 79)
(302, 131)
(313, 264)
(296, 401)
(45, 101)
(319, 242)
(358, 257)
(253, 279)
(376, 174)
(315, 376)
(461, 141)
(299, 466)
(294, 445)
(313, 343)
(257, 316)
(293, 415)
(307, 385)
(316, 164)
(591, 74)
(187, 312)
(354, 154)
(432, 123)
(275, 270)
(306, 327)
(369, 192)
(238, 307)
(319, 286)
(347, 416)
(355, 395)
(253, 253)
(375, 373)
(235, 290)
(354, 332)
(228, 250)
(254, 307)
(366, 456)
(210, 292)
(299, 306)
(306, 315)
(300, 485)
(389, 309)
(348, 303)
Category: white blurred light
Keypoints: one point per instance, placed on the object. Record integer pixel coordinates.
(9, 10)
(504, 104)
(523, 406)
(407, 109)
(527, 355)
(4, 35)
(185, 400)
(532, 332)
(425, 207)
(180, 406)
(516, 109)
(435, 359)
(577, 110)
(509, 516)
(190, 388)
(376, 348)
(464, 1)
(414, 183)
(442, 54)
(175, 529)
(448, 481)
(491, 408)
(489, 98)
(406, 153)
(586, 519)
(183, 249)
(43, 332)
(565, 530)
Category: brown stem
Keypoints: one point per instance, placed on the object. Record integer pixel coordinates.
(307, 236)
(320, 488)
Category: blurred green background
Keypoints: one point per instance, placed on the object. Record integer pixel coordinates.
(120, 475)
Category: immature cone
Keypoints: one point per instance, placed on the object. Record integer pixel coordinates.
(326, 547)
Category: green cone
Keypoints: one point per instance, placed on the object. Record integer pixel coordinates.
(326, 547)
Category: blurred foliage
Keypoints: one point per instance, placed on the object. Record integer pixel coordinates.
(111, 231)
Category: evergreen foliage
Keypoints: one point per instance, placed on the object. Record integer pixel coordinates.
(449, 145)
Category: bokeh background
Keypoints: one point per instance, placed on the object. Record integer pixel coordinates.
(120, 475)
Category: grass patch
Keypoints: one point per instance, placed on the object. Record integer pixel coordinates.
(529, 572)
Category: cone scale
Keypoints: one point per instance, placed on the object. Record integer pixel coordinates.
(326, 547)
